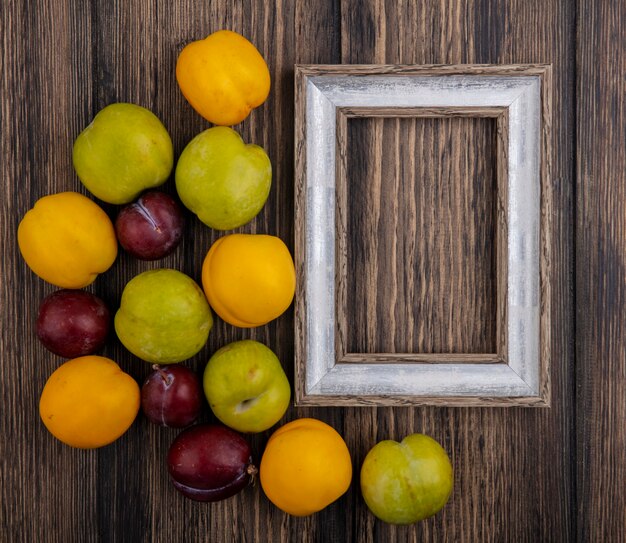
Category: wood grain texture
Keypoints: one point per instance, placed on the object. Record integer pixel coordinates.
(501, 231)
(601, 271)
(436, 112)
(389, 400)
(514, 478)
(463, 183)
(422, 358)
(492, 448)
(420, 228)
(389, 68)
(546, 244)
(300, 306)
(37, 126)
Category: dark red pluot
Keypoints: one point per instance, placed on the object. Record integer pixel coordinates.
(73, 323)
(172, 396)
(150, 228)
(210, 463)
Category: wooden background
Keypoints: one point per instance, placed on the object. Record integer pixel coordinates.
(521, 474)
(429, 207)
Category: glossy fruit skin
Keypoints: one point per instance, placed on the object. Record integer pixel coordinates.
(150, 228)
(249, 279)
(163, 317)
(67, 240)
(406, 482)
(222, 180)
(305, 467)
(89, 402)
(73, 323)
(210, 463)
(246, 386)
(223, 77)
(124, 151)
(171, 396)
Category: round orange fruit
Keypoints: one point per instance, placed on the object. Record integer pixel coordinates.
(89, 402)
(305, 467)
(67, 240)
(223, 77)
(249, 279)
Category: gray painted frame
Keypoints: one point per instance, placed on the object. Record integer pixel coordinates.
(519, 96)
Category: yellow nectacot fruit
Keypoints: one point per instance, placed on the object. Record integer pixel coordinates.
(89, 402)
(249, 279)
(223, 77)
(67, 240)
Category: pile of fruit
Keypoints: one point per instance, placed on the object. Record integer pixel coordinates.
(165, 317)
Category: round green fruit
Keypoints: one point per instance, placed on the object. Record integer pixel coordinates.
(406, 482)
(163, 317)
(222, 180)
(246, 386)
(124, 151)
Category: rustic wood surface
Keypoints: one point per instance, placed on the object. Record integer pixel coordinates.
(422, 358)
(520, 474)
(436, 112)
(600, 260)
(420, 201)
(389, 182)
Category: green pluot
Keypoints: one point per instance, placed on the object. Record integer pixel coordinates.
(406, 482)
(124, 151)
(163, 317)
(222, 180)
(246, 386)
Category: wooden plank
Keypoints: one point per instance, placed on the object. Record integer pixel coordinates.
(300, 238)
(47, 489)
(421, 358)
(435, 112)
(493, 450)
(494, 220)
(395, 401)
(546, 235)
(318, 36)
(389, 68)
(501, 241)
(420, 254)
(343, 275)
(601, 271)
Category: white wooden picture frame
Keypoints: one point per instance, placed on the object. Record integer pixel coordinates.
(518, 97)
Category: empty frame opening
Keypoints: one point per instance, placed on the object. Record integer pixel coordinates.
(421, 235)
